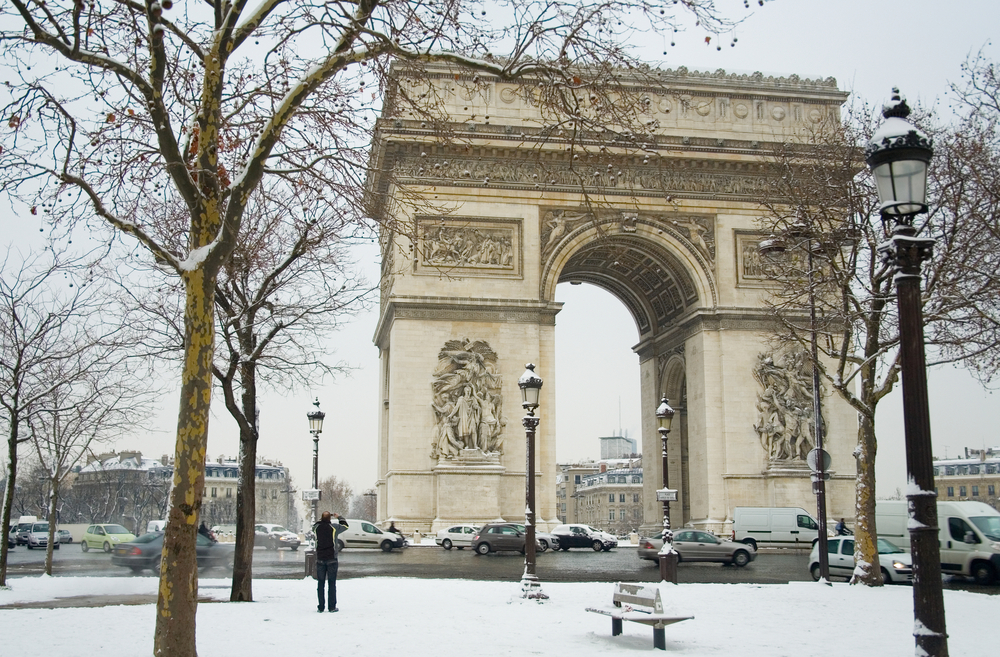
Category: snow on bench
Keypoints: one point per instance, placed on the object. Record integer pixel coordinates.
(639, 604)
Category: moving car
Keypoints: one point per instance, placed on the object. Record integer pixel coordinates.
(460, 536)
(105, 537)
(146, 552)
(38, 536)
(695, 545)
(584, 536)
(895, 563)
(543, 539)
(273, 537)
(497, 537)
(968, 533)
(363, 534)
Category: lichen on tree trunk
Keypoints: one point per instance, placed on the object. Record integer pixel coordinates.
(868, 571)
(177, 601)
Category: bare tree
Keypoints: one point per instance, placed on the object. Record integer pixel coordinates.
(336, 495)
(364, 505)
(104, 401)
(826, 198)
(55, 338)
(967, 185)
(193, 110)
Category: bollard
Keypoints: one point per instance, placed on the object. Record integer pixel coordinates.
(668, 567)
(417, 537)
(311, 563)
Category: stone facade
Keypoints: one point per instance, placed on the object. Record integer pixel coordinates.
(975, 477)
(471, 299)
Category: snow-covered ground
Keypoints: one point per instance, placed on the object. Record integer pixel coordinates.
(416, 617)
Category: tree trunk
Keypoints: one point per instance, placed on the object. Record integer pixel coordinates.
(246, 495)
(8, 493)
(868, 571)
(53, 498)
(177, 602)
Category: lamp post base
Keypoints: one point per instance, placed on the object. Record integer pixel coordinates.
(531, 588)
(668, 567)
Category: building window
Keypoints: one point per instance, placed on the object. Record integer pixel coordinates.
(229, 492)
(576, 479)
(274, 494)
(635, 497)
(213, 491)
(621, 514)
(992, 490)
(961, 491)
(621, 498)
(951, 491)
(636, 479)
(611, 514)
(611, 498)
(263, 495)
(975, 491)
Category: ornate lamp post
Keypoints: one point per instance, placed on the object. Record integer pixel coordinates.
(530, 385)
(315, 428)
(803, 232)
(898, 155)
(668, 557)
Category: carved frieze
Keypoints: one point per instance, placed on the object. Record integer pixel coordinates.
(467, 402)
(468, 246)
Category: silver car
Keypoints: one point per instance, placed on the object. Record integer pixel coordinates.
(695, 545)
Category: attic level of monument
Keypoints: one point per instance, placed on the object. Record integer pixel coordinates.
(494, 207)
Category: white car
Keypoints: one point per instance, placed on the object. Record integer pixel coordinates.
(895, 563)
(363, 534)
(460, 536)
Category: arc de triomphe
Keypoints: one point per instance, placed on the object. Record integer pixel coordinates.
(466, 306)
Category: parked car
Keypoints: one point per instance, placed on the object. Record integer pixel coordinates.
(695, 545)
(543, 539)
(64, 536)
(12, 537)
(273, 537)
(38, 536)
(460, 536)
(499, 536)
(584, 536)
(363, 534)
(23, 528)
(146, 551)
(896, 564)
(105, 537)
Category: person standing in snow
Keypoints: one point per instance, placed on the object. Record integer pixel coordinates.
(326, 559)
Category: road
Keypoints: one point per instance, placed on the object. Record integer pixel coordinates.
(618, 565)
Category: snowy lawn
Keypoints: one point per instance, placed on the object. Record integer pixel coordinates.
(456, 617)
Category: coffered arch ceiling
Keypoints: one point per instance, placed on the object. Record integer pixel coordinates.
(652, 282)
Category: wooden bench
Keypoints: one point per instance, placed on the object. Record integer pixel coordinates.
(639, 604)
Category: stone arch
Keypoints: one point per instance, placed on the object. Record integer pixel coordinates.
(646, 262)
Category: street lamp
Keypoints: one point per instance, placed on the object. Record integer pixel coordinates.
(315, 428)
(668, 557)
(802, 230)
(898, 155)
(531, 386)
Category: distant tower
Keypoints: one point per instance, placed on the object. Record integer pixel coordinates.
(617, 447)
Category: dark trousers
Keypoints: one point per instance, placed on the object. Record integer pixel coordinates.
(326, 571)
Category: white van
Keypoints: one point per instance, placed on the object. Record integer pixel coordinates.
(968, 536)
(776, 526)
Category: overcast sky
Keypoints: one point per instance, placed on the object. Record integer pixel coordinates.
(868, 46)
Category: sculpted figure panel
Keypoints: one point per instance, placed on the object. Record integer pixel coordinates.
(785, 423)
(467, 401)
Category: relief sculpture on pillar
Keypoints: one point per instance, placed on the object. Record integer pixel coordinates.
(785, 423)
(467, 403)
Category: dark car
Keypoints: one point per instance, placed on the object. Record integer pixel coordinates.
(497, 537)
(584, 536)
(145, 552)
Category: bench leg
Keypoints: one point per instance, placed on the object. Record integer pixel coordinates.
(616, 626)
(659, 638)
